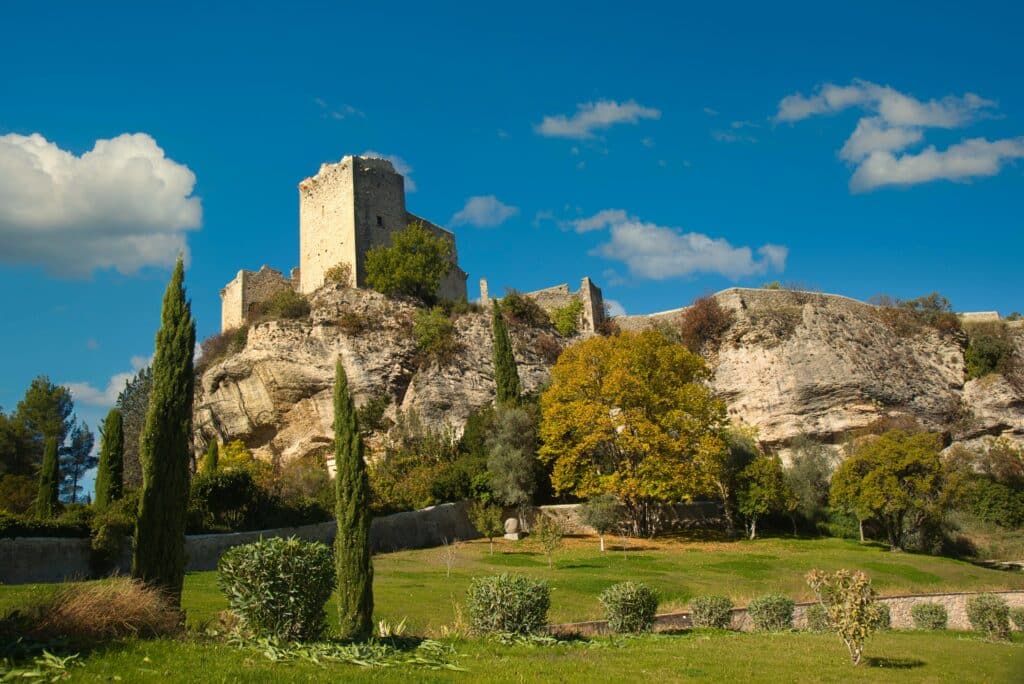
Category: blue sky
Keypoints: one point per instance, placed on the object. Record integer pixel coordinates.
(664, 151)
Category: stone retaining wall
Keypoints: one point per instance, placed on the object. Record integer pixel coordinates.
(899, 606)
(42, 559)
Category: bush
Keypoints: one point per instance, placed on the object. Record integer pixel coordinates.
(629, 607)
(989, 350)
(522, 311)
(507, 604)
(412, 266)
(772, 612)
(704, 323)
(929, 616)
(711, 611)
(371, 414)
(340, 273)
(278, 587)
(989, 613)
(216, 347)
(435, 335)
(92, 612)
(566, 318)
(223, 499)
(1017, 615)
(880, 616)
(12, 525)
(285, 303)
(817, 618)
(547, 347)
(848, 598)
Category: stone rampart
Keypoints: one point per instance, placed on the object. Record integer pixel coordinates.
(248, 290)
(40, 559)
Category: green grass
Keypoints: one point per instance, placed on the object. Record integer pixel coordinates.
(699, 655)
(413, 584)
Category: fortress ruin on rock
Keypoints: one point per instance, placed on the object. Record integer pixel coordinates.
(348, 208)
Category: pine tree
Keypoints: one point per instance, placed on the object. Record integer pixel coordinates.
(506, 375)
(211, 458)
(49, 480)
(159, 558)
(354, 568)
(110, 476)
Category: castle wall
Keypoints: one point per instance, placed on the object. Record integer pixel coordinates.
(379, 206)
(231, 312)
(248, 289)
(326, 223)
(559, 296)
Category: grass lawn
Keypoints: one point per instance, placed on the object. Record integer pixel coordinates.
(693, 655)
(415, 585)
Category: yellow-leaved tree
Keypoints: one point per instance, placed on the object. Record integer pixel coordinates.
(631, 416)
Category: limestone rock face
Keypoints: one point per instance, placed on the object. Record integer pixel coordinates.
(791, 363)
(276, 394)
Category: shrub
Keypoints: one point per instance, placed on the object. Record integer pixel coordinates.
(412, 266)
(989, 613)
(989, 350)
(929, 616)
(566, 318)
(285, 303)
(704, 323)
(629, 607)
(711, 611)
(487, 520)
(278, 587)
(435, 335)
(507, 604)
(340, 273)
(772, 612)
(92, 612)
(354, 322)
(223, 499)
(880, 616)
(1017, 615)
(547, 348)
(521, 310)
(371, 414)
(817, 618)
(216, 347)
(848, 598)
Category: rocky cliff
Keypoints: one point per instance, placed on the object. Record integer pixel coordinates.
(791, 363)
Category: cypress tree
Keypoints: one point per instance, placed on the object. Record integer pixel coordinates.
(49, 481)
(354, 569)
(211, 458)
(159, 558)
(110, 475)
(506, 375)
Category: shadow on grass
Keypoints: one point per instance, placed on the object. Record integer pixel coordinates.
(894, 663)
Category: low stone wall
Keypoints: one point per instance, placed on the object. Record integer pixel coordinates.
(41, 559)
(899, 607)
(568, 515)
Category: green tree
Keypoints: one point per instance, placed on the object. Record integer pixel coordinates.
(724, 468)
(511, 457)
(601, 512)
(76, 458)
(133, 402)
(159, 557)
(763, 490)
(897, 479)
(506, 374)
(413, 265)
(47, 501)
(110, 476)
(631, 416)
(808, 477)
(486, 518)
(211, 457)
(15, 457)
(46, 411)
(352, 509)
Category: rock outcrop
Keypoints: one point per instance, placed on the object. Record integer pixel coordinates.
(791, 363)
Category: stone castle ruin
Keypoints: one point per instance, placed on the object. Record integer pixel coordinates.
(348, 208)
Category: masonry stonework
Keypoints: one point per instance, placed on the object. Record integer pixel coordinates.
(560, 296)
(248, 289)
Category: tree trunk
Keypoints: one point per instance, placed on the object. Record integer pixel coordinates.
(602, 543)
(792, 519)
(860, 526)
(753, 528)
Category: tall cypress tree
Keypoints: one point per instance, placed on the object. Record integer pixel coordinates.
(49, 481)
(354, 569)
(211, 458)
(110, 475)
(506, 375)
(159, 558)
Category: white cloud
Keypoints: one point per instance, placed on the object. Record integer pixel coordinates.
(710, 112)
(974, 157)
(593, 116)
(484, 211)
(657, 252)
(339, 113)
(896, 122)
(85, 393)
(599, 221)
(121, 205)
(732, 136)
(614, 308)
(401, 166)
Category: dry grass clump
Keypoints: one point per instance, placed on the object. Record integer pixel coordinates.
(98, 611)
